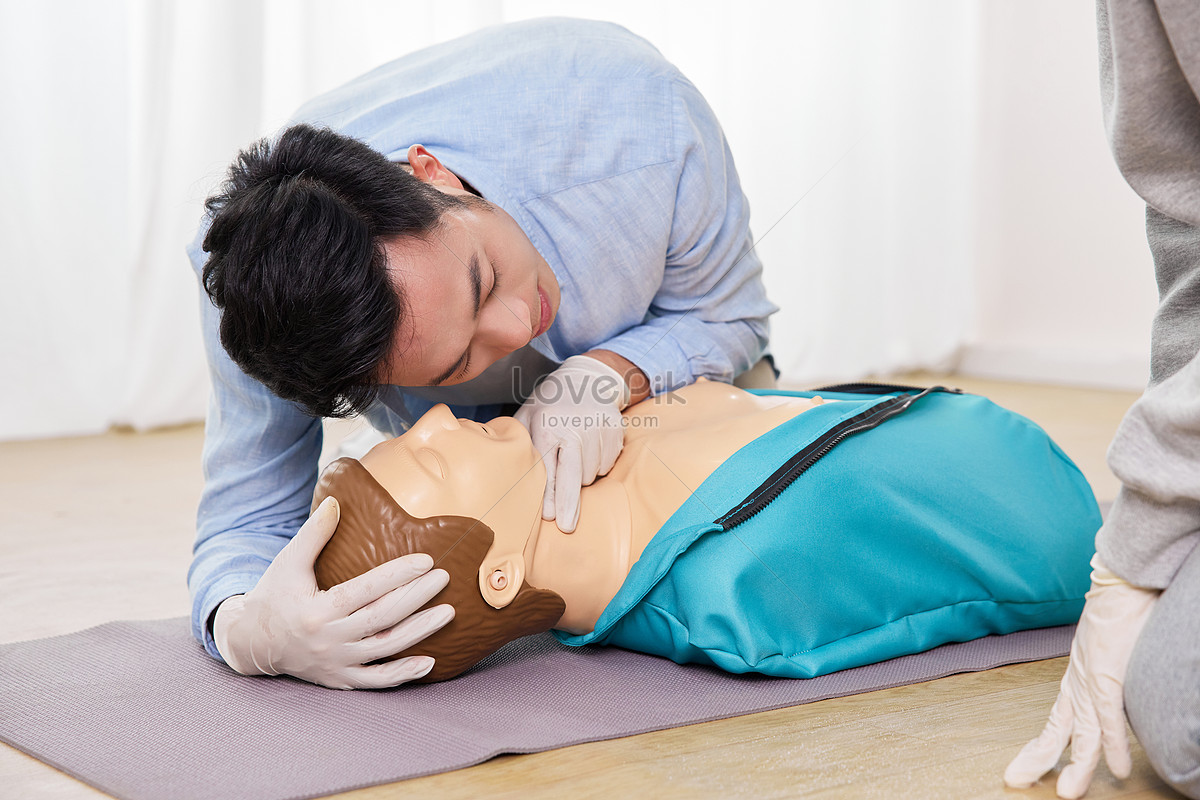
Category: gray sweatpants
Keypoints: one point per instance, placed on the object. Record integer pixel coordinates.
(1150, 85)
(1162, 688)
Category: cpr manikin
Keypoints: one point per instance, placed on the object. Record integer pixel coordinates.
(489, 476)
(769, 533)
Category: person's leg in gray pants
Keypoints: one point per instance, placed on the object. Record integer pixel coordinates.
(1162, 687)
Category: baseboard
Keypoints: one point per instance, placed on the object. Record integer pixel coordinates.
(1100, 370)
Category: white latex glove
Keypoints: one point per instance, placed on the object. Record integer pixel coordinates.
(1090, 710)
(574, 419)
(286, 625)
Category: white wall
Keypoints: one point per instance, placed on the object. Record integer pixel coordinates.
(62, 221)
(1064, 279)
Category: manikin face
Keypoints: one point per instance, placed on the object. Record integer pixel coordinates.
(491, 472)
(474, 290)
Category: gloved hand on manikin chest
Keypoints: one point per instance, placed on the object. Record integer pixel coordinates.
(574, 420)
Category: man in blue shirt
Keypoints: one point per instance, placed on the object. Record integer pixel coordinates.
(549, 198)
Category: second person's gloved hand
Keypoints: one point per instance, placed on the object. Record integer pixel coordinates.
(1090, 710)
(574, 420)
(287, 625)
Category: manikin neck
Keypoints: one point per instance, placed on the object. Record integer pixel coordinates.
(586, 567)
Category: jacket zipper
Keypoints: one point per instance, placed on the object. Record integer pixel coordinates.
(798, 464)
(880, 388)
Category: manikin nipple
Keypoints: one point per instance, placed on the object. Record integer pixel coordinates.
(498, 580)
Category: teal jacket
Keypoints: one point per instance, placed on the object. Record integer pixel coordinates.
(860, 531)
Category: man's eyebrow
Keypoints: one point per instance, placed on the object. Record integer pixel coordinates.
(476, 284)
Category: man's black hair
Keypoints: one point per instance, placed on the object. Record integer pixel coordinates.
(297, 266)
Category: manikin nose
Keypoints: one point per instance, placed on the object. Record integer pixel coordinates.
(438, 417)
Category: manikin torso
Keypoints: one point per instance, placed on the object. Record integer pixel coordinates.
(673, 442)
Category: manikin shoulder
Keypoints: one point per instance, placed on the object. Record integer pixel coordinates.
(701, 403)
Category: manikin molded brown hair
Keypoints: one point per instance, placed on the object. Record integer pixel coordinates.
(374, 529)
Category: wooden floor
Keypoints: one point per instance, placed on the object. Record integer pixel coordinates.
(100, 528)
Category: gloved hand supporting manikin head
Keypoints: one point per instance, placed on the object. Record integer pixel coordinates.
(375, 529)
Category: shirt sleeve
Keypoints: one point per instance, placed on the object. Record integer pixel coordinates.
(1154, 523)
(260, 468)
(1148, 69)
(709, 317)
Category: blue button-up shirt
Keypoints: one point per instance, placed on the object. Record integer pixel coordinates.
(615, 168)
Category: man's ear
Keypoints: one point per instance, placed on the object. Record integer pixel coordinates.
(428, 169)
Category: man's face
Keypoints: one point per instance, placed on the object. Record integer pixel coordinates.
(475, 290)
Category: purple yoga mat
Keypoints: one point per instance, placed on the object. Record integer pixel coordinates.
(138, 710)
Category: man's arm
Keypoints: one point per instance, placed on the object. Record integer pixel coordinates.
(635, 380)
(709, 317)
(260, 467)
(255, 601)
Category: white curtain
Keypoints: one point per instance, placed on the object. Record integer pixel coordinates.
(851, 124)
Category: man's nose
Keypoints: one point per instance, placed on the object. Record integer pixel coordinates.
(504, 326)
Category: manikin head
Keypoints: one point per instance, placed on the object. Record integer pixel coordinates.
(458, 482)
(337, 270)
(373, 529)
(489, 472)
